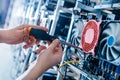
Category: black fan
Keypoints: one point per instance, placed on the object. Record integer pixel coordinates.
(109, 42)
(77, 32)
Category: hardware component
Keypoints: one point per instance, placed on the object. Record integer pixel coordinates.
(109, 42)
(100, 67)
(90, 36)
(78, 26)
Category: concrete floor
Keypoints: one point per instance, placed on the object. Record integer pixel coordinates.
(6, 62)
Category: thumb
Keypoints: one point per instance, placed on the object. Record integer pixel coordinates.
(55, 44)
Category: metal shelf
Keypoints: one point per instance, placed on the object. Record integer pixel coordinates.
(108, 6)
(87, 8)
(66, 10)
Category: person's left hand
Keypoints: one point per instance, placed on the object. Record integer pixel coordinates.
(20, 34)
(48, 57)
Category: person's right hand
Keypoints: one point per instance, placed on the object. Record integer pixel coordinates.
(19, 35)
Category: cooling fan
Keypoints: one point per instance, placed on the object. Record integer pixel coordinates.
(90, 36)
(109, 42)
(76, 32)
(75, 39)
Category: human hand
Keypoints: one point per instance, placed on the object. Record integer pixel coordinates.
(20, 34)
(50, 56)
(46, 59)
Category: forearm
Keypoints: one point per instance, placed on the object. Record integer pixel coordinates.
(11, 36)
(4, 36)
(34, 74)
(36, 71)
(47, 58)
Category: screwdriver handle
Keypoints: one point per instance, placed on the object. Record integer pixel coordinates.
(40, 34)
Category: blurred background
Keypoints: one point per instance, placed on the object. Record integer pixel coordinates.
(6, 60)
(4, 4)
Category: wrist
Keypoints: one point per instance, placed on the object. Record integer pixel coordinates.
(3, 36)
(35, 72)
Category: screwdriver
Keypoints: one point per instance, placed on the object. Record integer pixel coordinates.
(43, 35)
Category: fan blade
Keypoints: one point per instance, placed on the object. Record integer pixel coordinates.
(112, 28)
(78, 41)
(74, 29)
(116, 30)
(106, 32)
(118, 40)
(73, 32)
(78, 38)
(117, 52)
(103, 51)
(75, 42)
(109, 55)
(114, 54)
(104, 36)
(116, 49)
(104, 42)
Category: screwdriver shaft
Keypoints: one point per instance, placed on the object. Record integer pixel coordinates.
(69, 44)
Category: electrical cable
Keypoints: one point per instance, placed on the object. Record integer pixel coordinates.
(68, 62)
(60, 74)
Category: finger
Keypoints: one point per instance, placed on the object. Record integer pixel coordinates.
(57, 47)
(48, 42)
(55, 44)
(21, 27)
(39, 27)
(28, 45)
(34, 26)
(25, 47)
(30, 42)
(41, 48)
(37, 41)
(27, 41)
(43, 28)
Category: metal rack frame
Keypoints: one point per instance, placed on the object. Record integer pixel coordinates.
(96, 9)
